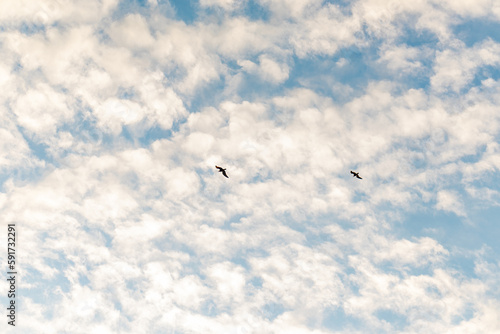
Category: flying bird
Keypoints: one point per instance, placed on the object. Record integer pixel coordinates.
(222, 170)
(356, 175)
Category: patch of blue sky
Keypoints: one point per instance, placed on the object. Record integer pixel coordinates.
(169, 243)
(453, 232)
(42, 291)
(60, 264)
(326, 219)
(83, 280)
(219, 309)
(16, 68)
(489, 181)
(127, 133)
(255, 11)
(83, 125)
(135, 285)
(241, 259)
(483, 228)
(477, 30)
(345, 6)
(31, 28)
(402, 270)
(156, 133)
(130, 6)
(321, 72)
(427, 222)
(256, 282)
(271, 311)
(262, 175)
(397, 321)
(466, 315)
(210, 309)
(474, 157)
(96, 233)
(109, 142)
(186, 10)
(419, 38)
(126, 93)
(37, 148)
(242, 256)
(254, 88)
(353, 66)
(4, 176)
(484, 73)
(190, 11)
(233, 221)
(462, 262)
(298, 220)
(24, 174)
(336, 319)
(206, 96)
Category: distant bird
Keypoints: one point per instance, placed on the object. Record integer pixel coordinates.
(222, 170)
(356, 175)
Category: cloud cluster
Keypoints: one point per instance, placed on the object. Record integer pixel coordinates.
(115, 114)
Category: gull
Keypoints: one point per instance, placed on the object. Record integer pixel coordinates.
(356, 175)
(222, 170)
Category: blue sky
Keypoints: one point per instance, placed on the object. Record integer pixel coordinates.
(115, 113)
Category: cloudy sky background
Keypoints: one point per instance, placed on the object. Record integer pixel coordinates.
(114, 113)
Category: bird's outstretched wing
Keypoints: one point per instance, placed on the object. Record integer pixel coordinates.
(223, 170)
(354, 174)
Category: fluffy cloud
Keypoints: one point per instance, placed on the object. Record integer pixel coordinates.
(456, 69)
(131, 32)
(114, 117)
(448, 201)
(48, 12)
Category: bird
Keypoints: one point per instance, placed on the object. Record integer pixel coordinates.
(222, 170)
(356, 175)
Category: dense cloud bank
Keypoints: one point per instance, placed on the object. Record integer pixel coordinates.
(114, 114)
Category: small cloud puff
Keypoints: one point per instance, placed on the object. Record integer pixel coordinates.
(268, 69)
(450, 201)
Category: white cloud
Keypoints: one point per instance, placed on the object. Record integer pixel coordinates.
(47, 12)
(402, 58)
(239, 36)
(272, 71)
(132, 32)
(41, 110)
(139, 233)
(14, 150)
(449, 201)
(486, 195)
(467, 8)
(115, 113)
(314, 36)
(454, 69)
(268, 69)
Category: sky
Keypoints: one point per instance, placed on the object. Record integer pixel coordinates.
(115, 113)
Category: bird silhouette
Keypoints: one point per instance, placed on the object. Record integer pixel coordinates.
(356, 175)
(222, 170)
